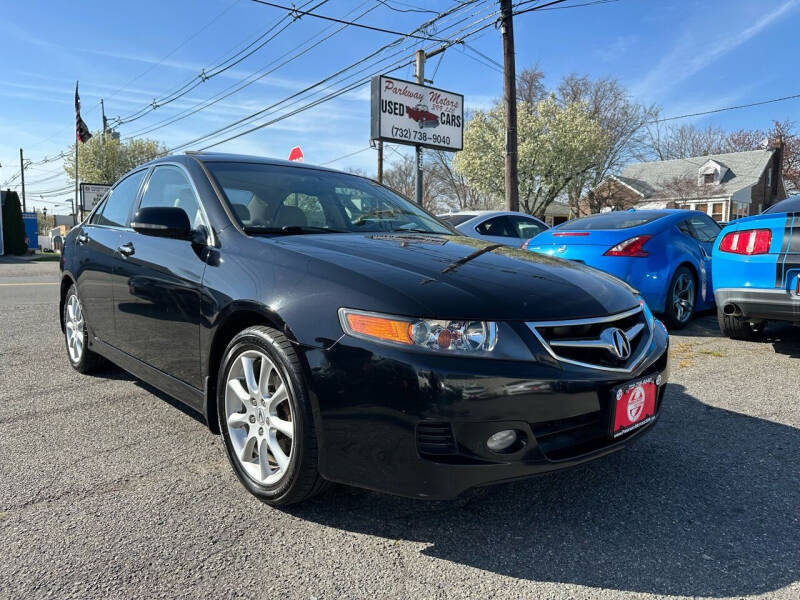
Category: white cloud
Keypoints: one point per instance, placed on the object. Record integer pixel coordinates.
(698, 48)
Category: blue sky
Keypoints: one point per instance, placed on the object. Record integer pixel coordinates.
(685, 55)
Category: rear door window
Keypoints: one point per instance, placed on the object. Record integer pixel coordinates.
(527, 228)
(455, 219)
(498, 226)
(117, 209)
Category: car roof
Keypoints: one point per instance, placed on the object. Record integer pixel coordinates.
(488, 213)
(239, 158)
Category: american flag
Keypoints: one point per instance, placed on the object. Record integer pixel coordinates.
(81, 130)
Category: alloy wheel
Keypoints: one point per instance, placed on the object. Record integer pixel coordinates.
(258, 413)
(683, 297)
(74, 328)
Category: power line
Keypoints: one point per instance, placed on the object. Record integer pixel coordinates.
(296, 11)
(242, 121)
(330, 96)
(406, 10)
(345, 156)
(213, 71)
(727, 108)
(229, 91)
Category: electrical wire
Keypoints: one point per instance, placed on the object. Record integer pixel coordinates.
(242, 121)
(217, 69)
(406, 10)
(727, 108)
(329, 162)
(295, 11)
(253, 77)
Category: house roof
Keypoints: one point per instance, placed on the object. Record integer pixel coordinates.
(744, 170)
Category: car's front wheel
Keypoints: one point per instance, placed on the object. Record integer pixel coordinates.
(76, 335)
(265, 418)
(681, 298)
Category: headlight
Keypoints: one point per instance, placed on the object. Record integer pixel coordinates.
(438, 335)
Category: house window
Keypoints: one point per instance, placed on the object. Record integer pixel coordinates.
(702, 208)
(708, 178)
(717, 211)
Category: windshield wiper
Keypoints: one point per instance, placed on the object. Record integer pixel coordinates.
(289, 230)
(417, 230)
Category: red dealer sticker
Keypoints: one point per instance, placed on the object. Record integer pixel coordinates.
(634, 406)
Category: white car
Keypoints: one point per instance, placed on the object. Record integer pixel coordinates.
(501, 227)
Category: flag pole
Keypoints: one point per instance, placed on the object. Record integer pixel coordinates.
(77, 140)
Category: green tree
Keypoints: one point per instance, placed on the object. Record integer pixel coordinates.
(13, 227)
(556, 144)
(104, 158)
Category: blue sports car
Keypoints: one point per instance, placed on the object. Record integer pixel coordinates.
(757, 271)
(665, 254)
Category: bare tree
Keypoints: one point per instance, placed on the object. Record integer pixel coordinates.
(530, 86)
(623, 121)
(454, 191)
(401, 176)
(668, 142)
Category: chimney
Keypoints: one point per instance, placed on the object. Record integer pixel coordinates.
(777, 165)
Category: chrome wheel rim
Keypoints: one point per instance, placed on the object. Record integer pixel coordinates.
(74, 329)
(259, 416)
(683, 297)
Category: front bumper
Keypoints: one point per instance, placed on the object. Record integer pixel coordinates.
(384, 416)
(759, 303)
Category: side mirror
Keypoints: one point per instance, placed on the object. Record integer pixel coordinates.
(163, 221)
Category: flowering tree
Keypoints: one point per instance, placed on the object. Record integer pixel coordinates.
(556, 144)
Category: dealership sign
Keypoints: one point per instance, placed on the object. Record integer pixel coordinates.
(91, 194)
(418, 115)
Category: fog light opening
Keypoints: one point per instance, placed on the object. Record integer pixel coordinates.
(502, 441)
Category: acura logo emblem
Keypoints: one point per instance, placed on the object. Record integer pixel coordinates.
(617, 343)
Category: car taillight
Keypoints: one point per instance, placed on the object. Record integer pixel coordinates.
(571, 234)
(750, 241)
(631, 248)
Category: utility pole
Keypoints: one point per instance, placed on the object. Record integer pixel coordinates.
(380, 161)
(22, 174)
(510, 105)
(420, 75)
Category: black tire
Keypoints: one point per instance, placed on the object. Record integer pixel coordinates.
(301, 480)
(89, 362)
(739, 328)
(671, 317)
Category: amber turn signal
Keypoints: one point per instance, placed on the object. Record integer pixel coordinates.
(380, 327)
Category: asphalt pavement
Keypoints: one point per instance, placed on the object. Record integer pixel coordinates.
(109, 490)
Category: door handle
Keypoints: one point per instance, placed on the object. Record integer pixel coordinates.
(126, 249)
(82, 238)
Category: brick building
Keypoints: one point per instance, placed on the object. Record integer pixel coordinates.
(724, 186)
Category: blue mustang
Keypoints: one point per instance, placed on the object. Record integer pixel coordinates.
(665, 254)
(757, 271)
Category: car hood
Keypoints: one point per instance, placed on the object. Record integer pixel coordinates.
(458, 277)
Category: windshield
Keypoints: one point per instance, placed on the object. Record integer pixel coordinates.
(290, 200)
(455, 219)
(789, 205)
(612, 220)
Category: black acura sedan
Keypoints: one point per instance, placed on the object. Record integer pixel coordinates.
(333, 331)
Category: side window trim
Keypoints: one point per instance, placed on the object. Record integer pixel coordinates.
(198, 197)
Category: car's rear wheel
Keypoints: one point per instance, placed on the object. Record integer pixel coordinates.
(739, 328)
(265, 418)
(76, 335)
(681, 298)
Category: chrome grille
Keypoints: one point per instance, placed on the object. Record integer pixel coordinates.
(614, 343)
